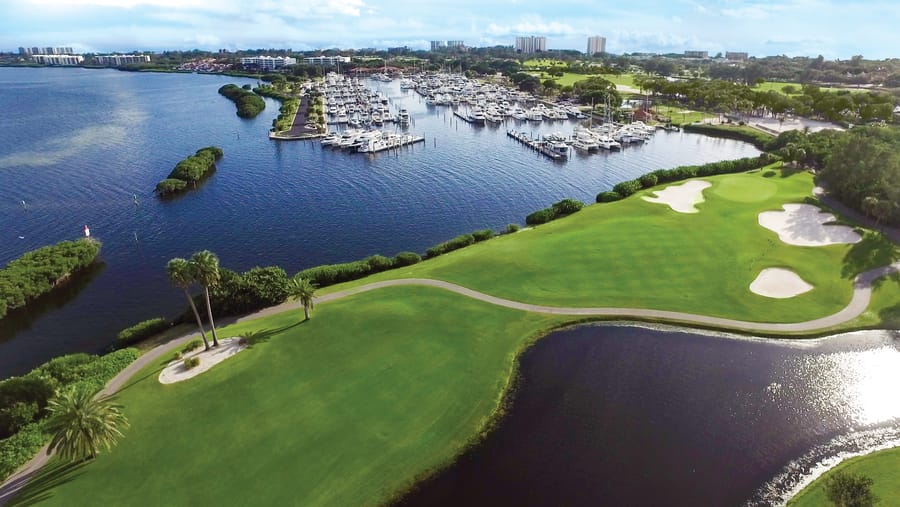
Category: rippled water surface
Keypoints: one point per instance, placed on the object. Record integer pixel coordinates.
(77, 145)
(610, 415)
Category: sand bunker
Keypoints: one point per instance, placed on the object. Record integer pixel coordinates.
(779, 283)
(803, 225)
(681, 198)
(176, 371)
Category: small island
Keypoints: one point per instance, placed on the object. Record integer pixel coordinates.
(248, 103)
(190, 170)
(39, 271)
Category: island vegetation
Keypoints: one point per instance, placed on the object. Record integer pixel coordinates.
(39, 271)
(248, 103)
(190, 171)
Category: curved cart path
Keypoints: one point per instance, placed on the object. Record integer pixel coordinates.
(862, 294)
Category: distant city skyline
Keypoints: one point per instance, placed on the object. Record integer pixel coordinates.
(832, 28)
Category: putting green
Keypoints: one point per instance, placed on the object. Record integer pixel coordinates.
(743, 189)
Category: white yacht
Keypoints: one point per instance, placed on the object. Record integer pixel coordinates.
(403, 117)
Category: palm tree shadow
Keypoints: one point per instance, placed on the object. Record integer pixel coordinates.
(41, 484)
(252, 338)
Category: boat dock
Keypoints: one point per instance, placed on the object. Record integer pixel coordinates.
(462, 117)
(537, 146)
(393, 144)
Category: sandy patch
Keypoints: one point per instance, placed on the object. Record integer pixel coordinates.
(176, 372)
(803, 225)
(681, 198)
(779, 283)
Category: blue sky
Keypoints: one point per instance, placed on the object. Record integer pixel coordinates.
(833, 28)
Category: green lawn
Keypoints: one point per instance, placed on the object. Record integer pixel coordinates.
(679, 115)
(345, 409)
(569, 78)
(633, 253)
(779, 85)
(882, 467)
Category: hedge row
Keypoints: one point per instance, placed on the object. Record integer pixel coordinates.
(330, 274)
(747, 134)
(190, 170)
(39, 271)
(248, 103)
(560, 209)
(141, 330)
(626, 188)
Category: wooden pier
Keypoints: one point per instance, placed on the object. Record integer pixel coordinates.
(537, 146)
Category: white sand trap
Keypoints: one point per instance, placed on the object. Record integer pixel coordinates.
(779, 283)
(176, 371)
(681, 198)
(803, 225)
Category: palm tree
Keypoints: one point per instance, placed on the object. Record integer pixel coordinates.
(304, 291)
(81, 425)
(181, 274)
(206, 272)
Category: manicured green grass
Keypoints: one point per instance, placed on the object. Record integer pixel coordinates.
(541, 62)
(344, 409)
(882, 467)
(633, 253)
(680, 116)
(777, 86)
(569, 78)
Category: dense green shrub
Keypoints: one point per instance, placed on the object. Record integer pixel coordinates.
(191, 346)
(22, 401)
(540, 217)
(483, 234)
(627, 188)
(95, 373)
(142, 330)
(510, 228)
(608, 196)
(648, 180)
(406, 259)
(379, 263)
(16, 450)
(170, 186)
(463, 240)
(248, 103)
(567, 207)
(191, 362)
(39, 271)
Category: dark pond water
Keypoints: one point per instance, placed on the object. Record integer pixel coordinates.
(77, 145)
(614, 415)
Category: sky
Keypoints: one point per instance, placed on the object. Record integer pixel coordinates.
(832, 28)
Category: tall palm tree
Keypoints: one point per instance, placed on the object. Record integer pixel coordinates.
(181, 274)
(304, 291)
(82, 425)
(206, 273)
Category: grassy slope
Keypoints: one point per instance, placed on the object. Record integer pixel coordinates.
(344, 409)
(638, 254)
(882, 467)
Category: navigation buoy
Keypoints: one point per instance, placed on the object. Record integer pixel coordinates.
(87, 232)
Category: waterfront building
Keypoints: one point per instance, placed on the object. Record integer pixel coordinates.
(58, 59)
(458, 44)
(531, 44)
(268, 62)
(703, 55)
(117, 60)
(596, 44)
(326, 60)
(736, 55)
(46, 51)
(437, 45)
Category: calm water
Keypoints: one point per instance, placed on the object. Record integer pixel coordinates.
(610, 415)
(76, 145)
